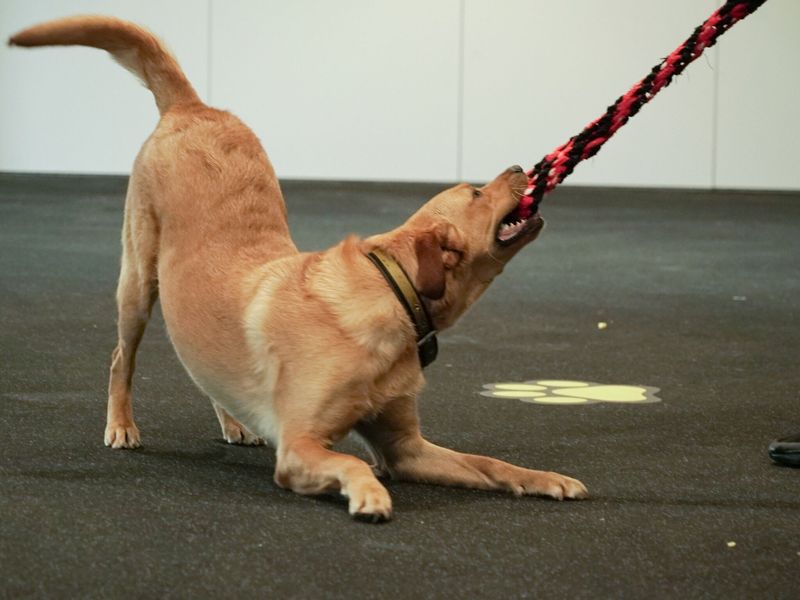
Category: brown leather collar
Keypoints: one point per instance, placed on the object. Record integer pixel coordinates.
(427, 346)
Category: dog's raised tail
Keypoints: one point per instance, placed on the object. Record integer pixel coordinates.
(133, 47)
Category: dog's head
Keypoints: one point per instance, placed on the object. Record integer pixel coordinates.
(460, 240)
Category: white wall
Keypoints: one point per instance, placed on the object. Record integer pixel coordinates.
(420, 90)
(350, 89)
(538, 90)
(759, 100)
(75, 109)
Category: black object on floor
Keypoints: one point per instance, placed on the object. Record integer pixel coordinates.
(694, 293)
(786, 450)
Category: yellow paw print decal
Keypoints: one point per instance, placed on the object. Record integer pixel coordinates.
(553, 391)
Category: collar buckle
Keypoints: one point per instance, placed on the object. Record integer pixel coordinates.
(427, 348)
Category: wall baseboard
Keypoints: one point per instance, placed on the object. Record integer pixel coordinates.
(112, 184)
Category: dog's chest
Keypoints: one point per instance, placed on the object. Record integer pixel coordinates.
(404, 378)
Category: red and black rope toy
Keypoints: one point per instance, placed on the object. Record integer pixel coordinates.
(554, 168)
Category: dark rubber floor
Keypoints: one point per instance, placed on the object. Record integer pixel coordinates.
(701, 293)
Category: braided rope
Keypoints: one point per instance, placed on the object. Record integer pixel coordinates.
(556, 166)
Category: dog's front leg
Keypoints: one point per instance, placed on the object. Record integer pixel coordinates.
(396, 438)
(427, 462)
(307, 466)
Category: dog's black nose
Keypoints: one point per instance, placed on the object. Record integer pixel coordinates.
(516, 169)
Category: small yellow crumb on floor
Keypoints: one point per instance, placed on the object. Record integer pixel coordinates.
(602, 325)
(731, 544)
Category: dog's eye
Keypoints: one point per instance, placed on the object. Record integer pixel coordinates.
(476, 193)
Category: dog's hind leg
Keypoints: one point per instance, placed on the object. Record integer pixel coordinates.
(136, 293)
(233, 431)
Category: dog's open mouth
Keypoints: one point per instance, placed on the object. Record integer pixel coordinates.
(520, 222)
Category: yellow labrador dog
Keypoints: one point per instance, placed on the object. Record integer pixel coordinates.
(295, 348)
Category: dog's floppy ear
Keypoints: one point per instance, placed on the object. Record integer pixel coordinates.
(438, 249)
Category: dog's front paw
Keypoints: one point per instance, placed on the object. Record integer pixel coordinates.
(560, 487)
(553, 485)
(236, 433)
(370, 502)
(122, 435)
